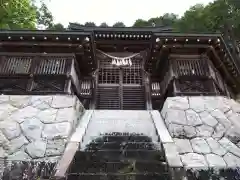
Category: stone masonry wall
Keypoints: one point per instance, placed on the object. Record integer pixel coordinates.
(36, 127)
(206, 130)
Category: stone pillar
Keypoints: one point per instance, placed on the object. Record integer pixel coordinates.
(37, 127)
(206, 131)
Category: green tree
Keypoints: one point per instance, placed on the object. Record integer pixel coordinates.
(57, 27)
(90, 24)
(104, 24)
(168, 19)
(44, 16)
(17, 14)
(119, 24)
(210, 18)
(194, 19)
(141, 23)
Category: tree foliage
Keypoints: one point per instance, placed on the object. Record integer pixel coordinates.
(17, 14)
(104, 24)
(90, 24)
(168, 19)
(44, 16)
(119, 24)
(200, 18)
(141, 23)
(57, 27)
(25, 14)
(210, 18)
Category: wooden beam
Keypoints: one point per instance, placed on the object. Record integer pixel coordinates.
(188, 35)
(48, 44)
(197, 46)
(22, 54)
(127, 42)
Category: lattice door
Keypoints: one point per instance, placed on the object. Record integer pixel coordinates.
(120, 87)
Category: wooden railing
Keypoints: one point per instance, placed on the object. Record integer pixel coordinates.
(190, 75)
(35, 64)
(217, 79)
(38, 73)
(190, 66)
(232, 48)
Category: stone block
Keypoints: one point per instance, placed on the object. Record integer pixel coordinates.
(211, 126)
(183, 146)
(32, 129)
(194, 160)
(27, 122)
(176, 130)
(197, 103)
(193, 118)
(215, 161)
(200, 146)
(175, 116)
(56, 130)
(204, 131)
(231, 160)
(47, 116)
(19, 156)
(10, 129)
(55, 147)
(63, 101)
(208, 119)
(36, 149)
(216, 148)
(230, 147)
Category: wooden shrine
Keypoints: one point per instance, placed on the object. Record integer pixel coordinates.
(118, 68)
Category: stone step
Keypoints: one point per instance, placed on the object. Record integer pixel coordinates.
(117, 155)
(124, 138)
(124, 145)
(122, 114)
(124, 125)
(118, 166)
(119, 145)
(135, 176)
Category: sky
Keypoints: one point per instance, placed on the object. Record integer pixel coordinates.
(111, 11)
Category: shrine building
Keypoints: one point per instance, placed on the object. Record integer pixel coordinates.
(119, 103)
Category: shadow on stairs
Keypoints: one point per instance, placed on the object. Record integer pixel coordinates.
(120, 156)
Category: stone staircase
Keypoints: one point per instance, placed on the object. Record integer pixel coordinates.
(119, 145)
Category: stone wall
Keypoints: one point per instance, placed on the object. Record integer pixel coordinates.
(36, 127)
(206, 130)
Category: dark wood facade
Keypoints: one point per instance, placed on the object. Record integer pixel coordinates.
(78, 62)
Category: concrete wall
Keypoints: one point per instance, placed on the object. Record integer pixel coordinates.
(206, 130)
(37, 127)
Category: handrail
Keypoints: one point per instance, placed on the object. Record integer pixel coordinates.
(236, 63)
(166, 81)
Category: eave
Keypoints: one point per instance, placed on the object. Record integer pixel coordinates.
(69, 36)
(80, 43)
(77, 27)
(230, 66)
